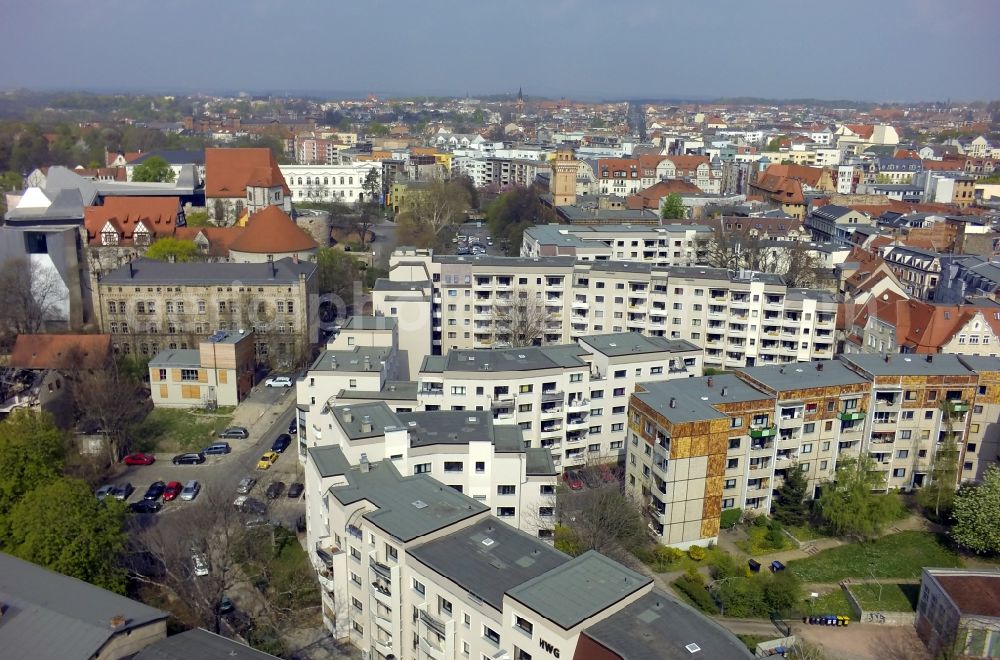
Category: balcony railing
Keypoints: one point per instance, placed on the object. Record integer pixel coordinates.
(764, 431)
(851, 415)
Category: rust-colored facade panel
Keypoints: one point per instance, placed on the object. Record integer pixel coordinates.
(699, 445)
(716, 465)
(713, 487)
(680, 448)
(709, 527)
(711, 508)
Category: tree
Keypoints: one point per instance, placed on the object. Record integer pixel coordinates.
(377, 129)
(603, 519)
(939, 494)
(198, 219)
(339, 274)
(774, 144)
(109, 399)
(520, 320)
(673, 208)
(976, 515)
(440, 205)
(62, 526)
(32, 453)
(153, 169)
(790, 507)
(30, 295)
(410, 231)
(372, 187)
(514, 211)
(849, 507)
(173, 249)
(737, 250)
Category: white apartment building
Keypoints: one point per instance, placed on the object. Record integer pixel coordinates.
(412, 570)
(329, 183)
(666, 245)
(739, 319)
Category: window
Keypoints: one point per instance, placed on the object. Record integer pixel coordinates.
(419, 587)
(491, 635)
(596, 394)
(524, 407)
(808, 428)
(575, 378)
(444, 606)
(480, 467)
(903, 453)
(421, 468)
(357, 604)
(546, 511)
(899, 472)
(525, 389)
(391, 552)
(453, 466)
(189, 374)
(617, 427)
(458, 389)
(735, 422)
(905, 434)
(618, 410)
(732, 463)
(807, 448)
(729, 484)
(655, 371)
(506, 490)
(620, 373)
(505, 512)
(523, 625)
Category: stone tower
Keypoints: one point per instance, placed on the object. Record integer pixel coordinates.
(564, 169)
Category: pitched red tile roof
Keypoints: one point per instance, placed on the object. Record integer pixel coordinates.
(219, 238)
(271, 231)
(60, 351)
(651, 196)
(781, 189)
(803, 173)
(611, 165)
(157, 214)
(228, 172)
(863, 130)
(688, 163)
(944, 165)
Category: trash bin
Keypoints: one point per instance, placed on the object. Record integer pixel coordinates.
(777, 566)
(754, 565)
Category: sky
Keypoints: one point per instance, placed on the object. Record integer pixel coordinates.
(862, 50)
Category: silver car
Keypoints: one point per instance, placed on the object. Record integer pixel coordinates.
(246, 485)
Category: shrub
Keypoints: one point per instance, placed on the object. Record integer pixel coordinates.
(694, 588)
(775, 538)
(760, 521)
(696, 552)
(730, 517)
(666, 555)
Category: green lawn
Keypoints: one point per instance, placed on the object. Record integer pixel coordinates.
(894, 597)
(835, 603)
(177, 429)
(895, 556)
(757, 542)
(806, 533)
(683, 563)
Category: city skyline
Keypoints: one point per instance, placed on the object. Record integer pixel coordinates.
(890, 52)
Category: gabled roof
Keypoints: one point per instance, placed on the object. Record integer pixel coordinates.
(271, 231)
(219, 238)
(808, 175)
(64, 351)
(228, 172)
(861, 130)
(688, 162)
(48, 615)
(651, 196)
(157, 214)
(781, 189)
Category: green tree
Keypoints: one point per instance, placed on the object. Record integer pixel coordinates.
(514, 211)
(62, 526)
(32, 453)
(372, 186)
(782, 592)
(742, 597)
(790, 507)
(939, 494)
(849, 507)
(976, 515)
(339, 274)
(377, 129)
(153, 169)
(673, 208)
(774, 144)
(10, 181)
(198, 219)
(169, 248)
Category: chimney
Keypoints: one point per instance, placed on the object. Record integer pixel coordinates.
(886, 358)
(709, 381)
(295, 258)
(930, 358)
(348, 416)
(131, 271)
(819, 366)
(365, 465)
(673, 402)
(366, 424)
(117, 622)
(725, 391)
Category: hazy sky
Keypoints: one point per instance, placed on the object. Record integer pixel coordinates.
(880, 50)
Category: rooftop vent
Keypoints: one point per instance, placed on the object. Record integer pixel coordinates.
(709, 381)
(366, 424)
(419, 504)
(673, 402)
(521, 356)
(117, 621)
(472, 419)
(488, 541)
(819, 366)
(612, 344)
(348, 416)
(725, 391)
(411, 423)
(692, 647)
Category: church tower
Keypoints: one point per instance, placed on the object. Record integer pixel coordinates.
(564, 170)
(519, 105)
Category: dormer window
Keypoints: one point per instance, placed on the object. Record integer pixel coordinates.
(141, 235)
(109, 237)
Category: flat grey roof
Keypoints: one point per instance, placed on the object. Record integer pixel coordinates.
(800, 375)
(694, 398)
(658, 626)
(907, 365)
(538, 462)
(177, 357)
(370, 323)
(578, 589)
(488, 570)
(407, 507)
(148, 271)
(434, 364)
(526, 358)
(458, 427)
(329, 460)
(508, 262)
(52, 616)
(628, 343)
(199, 643)
(385, 284)
(394, 390)
(980, 363)
(377, 413)
(352, 360)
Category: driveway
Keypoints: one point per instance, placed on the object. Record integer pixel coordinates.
(266, 413)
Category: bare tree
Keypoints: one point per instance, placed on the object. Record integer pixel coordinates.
(520, 320)
(109, 399)
(438, 206)
(745, 250)
(603, 519)
(30, 295)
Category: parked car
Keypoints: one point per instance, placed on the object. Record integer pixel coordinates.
(250, 505)
(225, 606)
(190, 490)
(278, 381)
(267, 460)
(235, 433)
(274, 490)
(172, 490)
(217, 449)
(145, 506)
(295, 490)
(281, 443)
(200, 562)
(572, 479)
(293, 426)
(189, 459)
(246, 485)
(139, 459)
(155, 491)
(104, 491)
(122, 491)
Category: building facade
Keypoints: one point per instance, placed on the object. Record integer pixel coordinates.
(220, 372)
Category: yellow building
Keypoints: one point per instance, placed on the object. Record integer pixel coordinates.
(220, 372)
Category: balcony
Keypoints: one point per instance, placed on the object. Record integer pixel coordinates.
(959, 406)
(575, 422)
(851, 415)
(551, 428)
(431, 649)
(761, 446)
(578, 405)
(580, 304)
(763, 431)
(553, 395)
(385, 648)
(502, 401)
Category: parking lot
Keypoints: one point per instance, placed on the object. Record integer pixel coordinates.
(266, 413)
(473, 233)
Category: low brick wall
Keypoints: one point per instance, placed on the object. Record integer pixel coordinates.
(884, 618)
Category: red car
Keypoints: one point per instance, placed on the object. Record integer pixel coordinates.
(139, 459)
(572, 479)
(172, 490)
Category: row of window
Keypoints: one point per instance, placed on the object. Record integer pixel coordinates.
(326, 181)
(172, 328)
